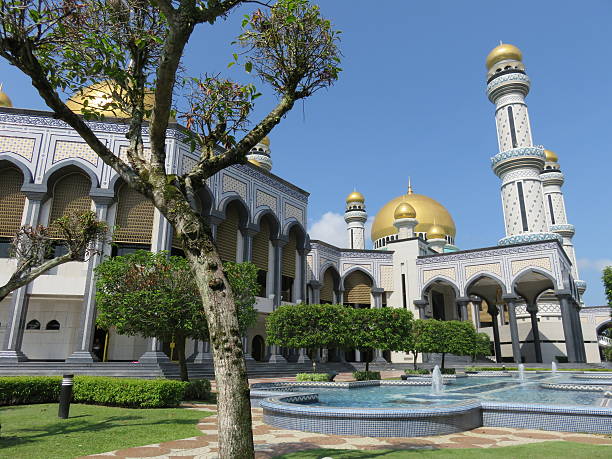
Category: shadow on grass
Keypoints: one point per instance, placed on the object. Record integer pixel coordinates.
(280, 450)
(69, 426)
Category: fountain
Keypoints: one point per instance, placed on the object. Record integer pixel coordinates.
(521, 372)
(437, 386)
(554, 368)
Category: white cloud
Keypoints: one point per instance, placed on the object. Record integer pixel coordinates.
(594, 264)
(331, 228)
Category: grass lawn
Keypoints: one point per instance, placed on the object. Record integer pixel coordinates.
(546, 450)
(35, 431)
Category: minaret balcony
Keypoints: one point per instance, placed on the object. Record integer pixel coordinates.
(518, 157)
(529, 237)
(510, 82)
(565, 230)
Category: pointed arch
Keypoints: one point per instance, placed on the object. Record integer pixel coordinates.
(66, 166)
(9, 161)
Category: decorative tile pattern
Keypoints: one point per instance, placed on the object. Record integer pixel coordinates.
(535, 151)
(187, 164)
(265, 199)
(519, 265)
(386, 277)
(22, 146)
(233, 184)
(294, 212)
(65, 149)
(431, 273)
(494, 268)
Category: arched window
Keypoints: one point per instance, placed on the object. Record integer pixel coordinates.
(288, 266)
(261, 246)
(52, 325)
(134, 221)
(11, 207)
(227, 234)
(329, 286)
(357, 288)
(33, 325)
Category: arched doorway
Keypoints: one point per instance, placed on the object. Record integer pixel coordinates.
(258, 348)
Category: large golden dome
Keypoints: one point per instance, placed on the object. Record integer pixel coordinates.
(504, 51)
(429, 213)
(5, 101)
(98, 98)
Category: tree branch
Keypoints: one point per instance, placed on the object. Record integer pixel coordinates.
(18, 279)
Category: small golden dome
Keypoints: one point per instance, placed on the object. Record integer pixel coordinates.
(98, 99)
(5, 101)
(504, 51)
(435, 232)
(404, 210)
(551, 156)
(255, 162)
(266, 141)
(355, 196)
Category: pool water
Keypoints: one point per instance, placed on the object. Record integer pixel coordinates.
(500, 389)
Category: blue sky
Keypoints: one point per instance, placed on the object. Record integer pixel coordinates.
(411, 102)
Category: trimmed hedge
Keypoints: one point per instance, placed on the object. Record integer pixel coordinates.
(419, 371)
(447, 371)
(366, 375)
(95, 390)
(25, 390)
(198, 390)
(131, 393)
(300, 377)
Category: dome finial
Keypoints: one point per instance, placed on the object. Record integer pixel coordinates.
(409, 186)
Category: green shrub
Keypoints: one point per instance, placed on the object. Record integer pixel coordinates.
(95, 390)
(198, 389)
(312, 377)
(25, 390)
(366, 375)
(131, 393)
(419, 371)
(447, 371)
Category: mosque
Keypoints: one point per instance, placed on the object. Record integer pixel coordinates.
(525, 292)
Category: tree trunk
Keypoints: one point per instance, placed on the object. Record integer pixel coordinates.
(443, 354)
(414, 360)
(367, 364)
(180, 350)
(233, 402)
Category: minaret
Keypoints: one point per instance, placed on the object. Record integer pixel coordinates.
(355, 217)
(552, 180)
(260, 154)
(518, 163)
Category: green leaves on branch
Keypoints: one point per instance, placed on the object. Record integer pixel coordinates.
(606, 277)
(153, 295)
(218, 109)
(292, 48)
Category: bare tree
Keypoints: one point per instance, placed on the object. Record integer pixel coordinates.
(135, 48)
(77, 235)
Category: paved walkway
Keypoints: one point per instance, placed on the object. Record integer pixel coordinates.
(271, 441)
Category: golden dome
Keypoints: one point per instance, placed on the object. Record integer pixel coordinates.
(404, 210)
(98, 98)
(5, 101)
(355, 196)
(265, 141)
(255, 162)
(435, 232)
(430, 213)
(551, 156)
(504, 51)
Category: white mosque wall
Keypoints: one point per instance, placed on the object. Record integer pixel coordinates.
(52, 344)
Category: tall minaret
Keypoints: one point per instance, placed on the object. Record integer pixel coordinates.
(355, 217)
(552, 179)
(518, 163)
